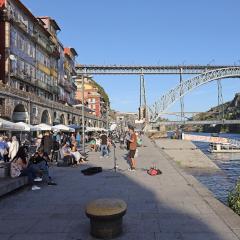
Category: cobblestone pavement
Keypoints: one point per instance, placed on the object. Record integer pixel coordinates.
(165, 207)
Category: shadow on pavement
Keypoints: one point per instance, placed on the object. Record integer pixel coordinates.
(58, 212)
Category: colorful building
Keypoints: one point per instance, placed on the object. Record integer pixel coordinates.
(92, 97)
(32, 59)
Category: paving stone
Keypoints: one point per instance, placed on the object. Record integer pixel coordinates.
(168, 236)
(40, 236)
(5, 236)
(209, 236)
(11, 226)
(169, 206)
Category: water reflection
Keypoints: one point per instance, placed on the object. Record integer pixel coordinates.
(220, 182)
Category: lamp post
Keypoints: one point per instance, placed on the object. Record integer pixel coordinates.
(83, 116)
(107, 115)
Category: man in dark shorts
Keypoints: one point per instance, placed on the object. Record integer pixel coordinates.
(104, 143)
(132, 148)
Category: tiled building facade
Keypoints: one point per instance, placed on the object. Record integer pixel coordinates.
(32, 58)
(37, 73)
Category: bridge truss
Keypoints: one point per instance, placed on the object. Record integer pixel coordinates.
(183, 88)
(206, 73)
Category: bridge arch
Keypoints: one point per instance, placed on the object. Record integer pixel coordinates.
(182, 89)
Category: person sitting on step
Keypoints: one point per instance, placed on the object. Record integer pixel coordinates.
(39, 162)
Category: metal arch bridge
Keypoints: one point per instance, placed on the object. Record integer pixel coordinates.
(179, 91)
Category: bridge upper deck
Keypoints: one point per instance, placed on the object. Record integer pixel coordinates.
(146, 69)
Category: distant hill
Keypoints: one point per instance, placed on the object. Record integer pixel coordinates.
(230, 110)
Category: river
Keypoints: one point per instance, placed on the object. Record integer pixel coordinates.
(220, 182)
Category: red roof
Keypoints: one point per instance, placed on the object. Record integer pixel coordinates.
(70, 51)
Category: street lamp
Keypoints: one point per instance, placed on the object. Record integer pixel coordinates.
(83, 112)
(13, 59)
(83, 117)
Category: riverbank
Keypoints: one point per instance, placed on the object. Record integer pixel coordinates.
(186, 154)
(173, 205)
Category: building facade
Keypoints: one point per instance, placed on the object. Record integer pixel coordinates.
(92, 97)
(34, 63)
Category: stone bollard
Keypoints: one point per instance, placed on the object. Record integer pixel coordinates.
(106, 217)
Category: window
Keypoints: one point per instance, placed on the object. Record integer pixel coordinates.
(13, 37)
(21, 66)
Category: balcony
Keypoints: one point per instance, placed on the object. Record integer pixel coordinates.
(22, 26)
(41, 84)
(55, 51)
(53, 40)
(63, 99)
(35, 35)
(61, 82)
(21, 75)
(55, 89)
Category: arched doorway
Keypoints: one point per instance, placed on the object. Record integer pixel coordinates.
(73, 120)
(62, 119)
(45, 117)
(56, 119)
(20, 114)
(89, 123)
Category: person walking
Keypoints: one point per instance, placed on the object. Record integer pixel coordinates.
(132, 148)
(104, 143)
(47, 143)
(13, 149)
(78, 139)
(3, 148)
(72, 139)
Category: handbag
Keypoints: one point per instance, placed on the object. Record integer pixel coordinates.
(154, 172)
(15, 171)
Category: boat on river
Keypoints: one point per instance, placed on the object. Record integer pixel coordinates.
(216, 144)
(223, 148)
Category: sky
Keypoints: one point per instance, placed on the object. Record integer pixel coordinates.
(150, 32)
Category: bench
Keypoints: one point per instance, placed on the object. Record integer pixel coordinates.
(106, 217)
(8, 184)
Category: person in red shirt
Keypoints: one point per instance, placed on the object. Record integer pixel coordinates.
(132, 148)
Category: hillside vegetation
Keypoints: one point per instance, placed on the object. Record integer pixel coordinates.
(229, 111)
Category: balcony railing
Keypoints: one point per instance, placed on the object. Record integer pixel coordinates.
(55, 89)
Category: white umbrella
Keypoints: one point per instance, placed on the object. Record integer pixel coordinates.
(95, 129)
(41, 127)
(90, 129)
(61, 127)
(27, 127)
(10, 126)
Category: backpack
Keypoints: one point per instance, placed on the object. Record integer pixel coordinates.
(154, 172)
(91, 170)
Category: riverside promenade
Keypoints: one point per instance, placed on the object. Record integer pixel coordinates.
(171, 206)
